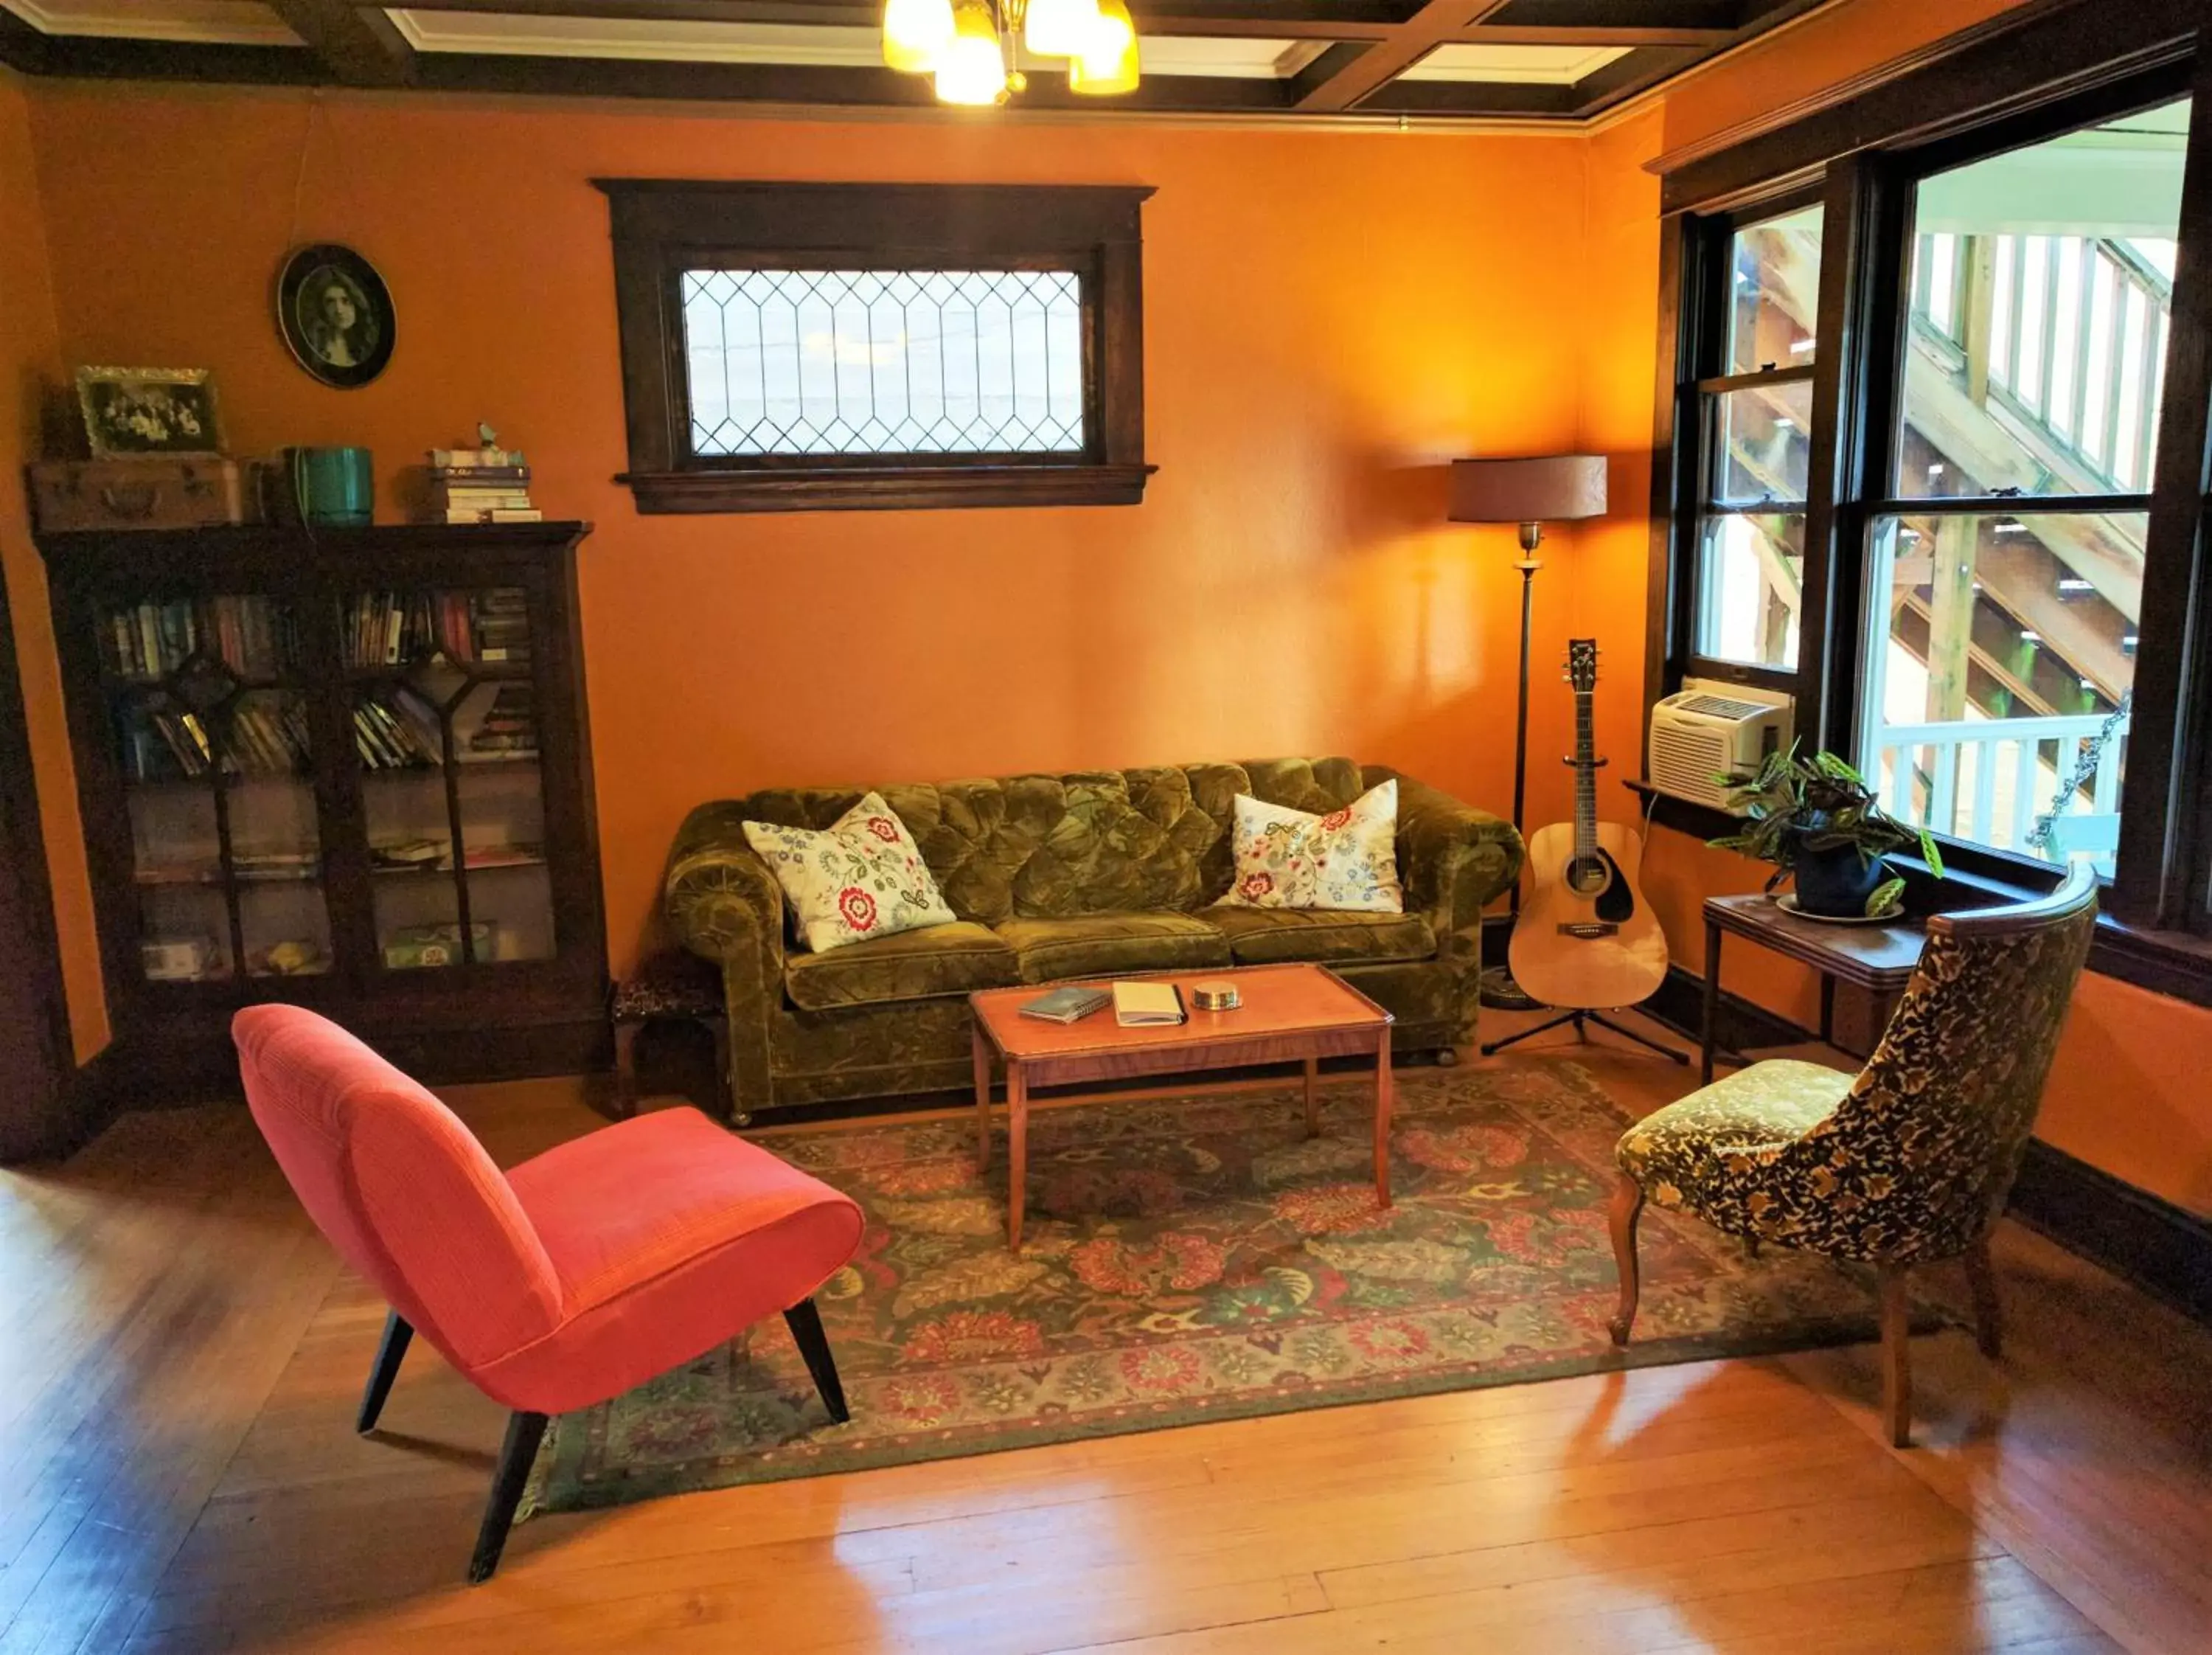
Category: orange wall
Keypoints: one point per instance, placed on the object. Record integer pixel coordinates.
(1328, 319)
(2127, 1093)
(30, 366)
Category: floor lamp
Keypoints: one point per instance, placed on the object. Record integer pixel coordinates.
(1555, 489)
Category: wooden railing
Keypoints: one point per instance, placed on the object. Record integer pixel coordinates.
(2075, 345)
(1990, 781)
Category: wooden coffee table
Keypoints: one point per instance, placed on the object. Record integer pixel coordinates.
(1290, 1013)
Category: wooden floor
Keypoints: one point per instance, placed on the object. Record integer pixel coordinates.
(183, 1356)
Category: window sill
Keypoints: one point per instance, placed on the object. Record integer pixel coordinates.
(2177, 963)
(910, 488)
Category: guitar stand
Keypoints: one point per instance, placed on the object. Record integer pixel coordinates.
(1580, 1019)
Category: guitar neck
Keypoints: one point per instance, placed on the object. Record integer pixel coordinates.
(1585, 775)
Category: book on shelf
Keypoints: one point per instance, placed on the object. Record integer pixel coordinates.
(1070, 1003)
(1144, 1005)
(250, 634)
(392, 629)
(507, 727)
(481, 485)
(442, 459)
(396, 730)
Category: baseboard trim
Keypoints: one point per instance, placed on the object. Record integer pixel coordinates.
(2165, 1250)
(1740, 1025)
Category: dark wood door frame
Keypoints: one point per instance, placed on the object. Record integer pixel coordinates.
(43, 1110)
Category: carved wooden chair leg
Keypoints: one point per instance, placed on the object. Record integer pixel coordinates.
(390, 1352)
(1896, 1357)
(1989, 1312)
(1627, 1207)
(805, 1325)
(524, 1432)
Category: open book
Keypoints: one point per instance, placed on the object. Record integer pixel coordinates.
(1139, 1005)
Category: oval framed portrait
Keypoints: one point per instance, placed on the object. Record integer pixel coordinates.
(335, 315)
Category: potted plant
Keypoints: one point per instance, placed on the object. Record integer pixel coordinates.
(1817, 821)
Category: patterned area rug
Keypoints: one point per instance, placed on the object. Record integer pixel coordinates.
(1198, 1258)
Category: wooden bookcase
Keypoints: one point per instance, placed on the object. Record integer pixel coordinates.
(346, 768)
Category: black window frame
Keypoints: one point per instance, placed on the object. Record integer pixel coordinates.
(2002, 88)
(1702, 375)
(663, 227)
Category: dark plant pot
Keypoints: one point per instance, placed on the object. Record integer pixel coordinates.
(1836, 882)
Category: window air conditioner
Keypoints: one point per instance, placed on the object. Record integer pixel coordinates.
(1707, 729)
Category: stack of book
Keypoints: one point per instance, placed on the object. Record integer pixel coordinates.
(481, 485)
(508, 728)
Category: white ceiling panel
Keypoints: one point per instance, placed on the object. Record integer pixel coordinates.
(231, 22)
(1514, 65)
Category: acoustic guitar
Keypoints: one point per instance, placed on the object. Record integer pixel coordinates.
(1586, 938)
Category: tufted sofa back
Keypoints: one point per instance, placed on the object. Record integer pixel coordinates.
(1092, 843)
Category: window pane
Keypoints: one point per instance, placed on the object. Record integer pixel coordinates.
(2042, 290)
(884, 362)
(2001, 675)
(1762, 447)
(1751, 576)
(1774, 309)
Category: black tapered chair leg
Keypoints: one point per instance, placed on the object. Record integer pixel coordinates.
(805, 1325)
(390, 1351)
(524, 1432)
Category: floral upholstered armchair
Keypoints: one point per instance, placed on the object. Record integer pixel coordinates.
(1907, 1163)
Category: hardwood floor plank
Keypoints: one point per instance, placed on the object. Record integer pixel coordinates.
(217, 1499)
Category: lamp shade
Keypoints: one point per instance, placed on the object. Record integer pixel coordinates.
(1550, 490)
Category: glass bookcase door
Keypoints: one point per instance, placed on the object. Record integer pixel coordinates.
(446, 731)
(216, 756)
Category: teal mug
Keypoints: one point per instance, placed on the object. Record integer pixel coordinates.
(336, 487)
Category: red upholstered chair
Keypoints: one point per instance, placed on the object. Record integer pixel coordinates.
(581, 1273)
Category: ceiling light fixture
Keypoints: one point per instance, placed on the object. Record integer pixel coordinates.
(974, 47)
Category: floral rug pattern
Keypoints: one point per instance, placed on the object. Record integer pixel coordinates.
(1195, 1258)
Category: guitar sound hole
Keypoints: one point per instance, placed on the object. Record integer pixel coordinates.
(1588, 877)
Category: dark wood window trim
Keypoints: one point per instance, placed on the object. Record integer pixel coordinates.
(2056, 64)
(663, 226)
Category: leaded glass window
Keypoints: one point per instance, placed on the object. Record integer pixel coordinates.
(884, 362)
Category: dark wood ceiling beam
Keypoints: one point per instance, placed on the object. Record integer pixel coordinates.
(1722, 16)
(362, 47)
(21, 46)
(1377, 65)
(1285, 20)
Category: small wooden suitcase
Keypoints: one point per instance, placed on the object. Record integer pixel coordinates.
(158, 492)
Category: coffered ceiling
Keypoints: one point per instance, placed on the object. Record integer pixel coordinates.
(1559, 60)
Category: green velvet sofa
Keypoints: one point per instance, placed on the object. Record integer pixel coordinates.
(1100, 872)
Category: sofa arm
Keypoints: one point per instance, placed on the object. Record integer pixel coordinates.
(724, 904)
(1452, 859)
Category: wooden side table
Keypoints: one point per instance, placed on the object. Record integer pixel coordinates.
(1880, 958)
(671, 986)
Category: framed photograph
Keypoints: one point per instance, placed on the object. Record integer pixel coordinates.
(149, 411)
(335, 315)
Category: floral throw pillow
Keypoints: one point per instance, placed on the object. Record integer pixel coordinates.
(1348, 859)
(864, 878)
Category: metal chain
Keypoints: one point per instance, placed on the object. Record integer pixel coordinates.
(2085, 766)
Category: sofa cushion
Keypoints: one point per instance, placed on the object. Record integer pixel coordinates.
(1265, 936)
(918, 964)
(861, 878)
(1344, 859)
(1096, 944)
